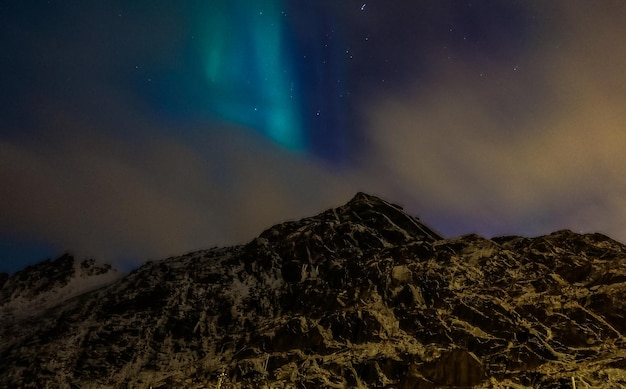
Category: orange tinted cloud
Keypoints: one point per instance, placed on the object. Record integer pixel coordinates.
(523, 148)
(99, 195)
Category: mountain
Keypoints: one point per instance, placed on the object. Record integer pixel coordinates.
(37, 288)
(359, 296)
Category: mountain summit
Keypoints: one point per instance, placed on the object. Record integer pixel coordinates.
(358, 296)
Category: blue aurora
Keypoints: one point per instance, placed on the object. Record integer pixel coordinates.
(247, 63)
(267, 72)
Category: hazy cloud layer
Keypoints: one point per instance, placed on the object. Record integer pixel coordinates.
(122, 201)
(530, 151)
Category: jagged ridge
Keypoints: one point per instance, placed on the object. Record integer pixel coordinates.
(363, 295)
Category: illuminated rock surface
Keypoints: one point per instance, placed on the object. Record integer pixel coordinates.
(359, 296)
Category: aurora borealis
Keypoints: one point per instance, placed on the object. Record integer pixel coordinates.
(136, 131)
(274, 77)
(251, 77)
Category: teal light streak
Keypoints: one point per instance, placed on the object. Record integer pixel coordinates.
(251, 80)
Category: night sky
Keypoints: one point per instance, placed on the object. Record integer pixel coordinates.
(136, 130)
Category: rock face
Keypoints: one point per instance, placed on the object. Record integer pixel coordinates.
(35, 289)
(359, 296)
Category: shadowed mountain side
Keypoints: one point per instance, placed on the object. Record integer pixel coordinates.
(362, 295)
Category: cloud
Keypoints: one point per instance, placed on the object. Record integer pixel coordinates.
(121, 199)
(519, 148)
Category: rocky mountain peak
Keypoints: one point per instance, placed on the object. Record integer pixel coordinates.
(38, 287)
(364, 224)
(385, 216)
(359, 296)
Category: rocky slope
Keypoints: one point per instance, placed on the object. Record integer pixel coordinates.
(363, 295)
(37, 288)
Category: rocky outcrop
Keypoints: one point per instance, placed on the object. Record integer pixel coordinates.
(31, 291)
(363, 295)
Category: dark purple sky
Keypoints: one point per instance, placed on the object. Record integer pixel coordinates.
(135, 131)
